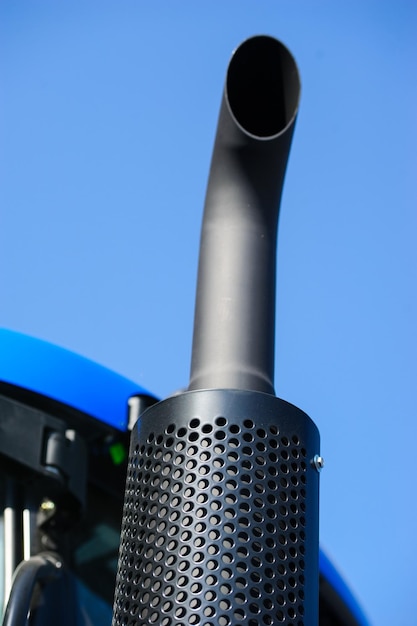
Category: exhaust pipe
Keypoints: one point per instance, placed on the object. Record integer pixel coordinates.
(220, 520)
(234, 327)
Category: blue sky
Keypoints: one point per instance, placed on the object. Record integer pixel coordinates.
(108, 113)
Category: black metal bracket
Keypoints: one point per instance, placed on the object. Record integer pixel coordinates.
(41, 450)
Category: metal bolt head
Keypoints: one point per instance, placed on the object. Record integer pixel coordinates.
(317, 462)
(47, 506)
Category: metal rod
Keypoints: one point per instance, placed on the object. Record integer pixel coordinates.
(11, 536)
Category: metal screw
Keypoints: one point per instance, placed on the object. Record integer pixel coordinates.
(317, 462)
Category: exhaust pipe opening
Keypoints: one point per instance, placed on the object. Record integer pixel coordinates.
(263, 87)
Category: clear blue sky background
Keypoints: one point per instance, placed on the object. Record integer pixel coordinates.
(107, 119)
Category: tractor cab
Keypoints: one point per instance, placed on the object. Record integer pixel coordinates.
(63, 454)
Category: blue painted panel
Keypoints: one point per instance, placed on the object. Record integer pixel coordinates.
(329, 572)
(64, 376)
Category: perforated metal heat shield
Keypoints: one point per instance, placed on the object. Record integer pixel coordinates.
(220, 523)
